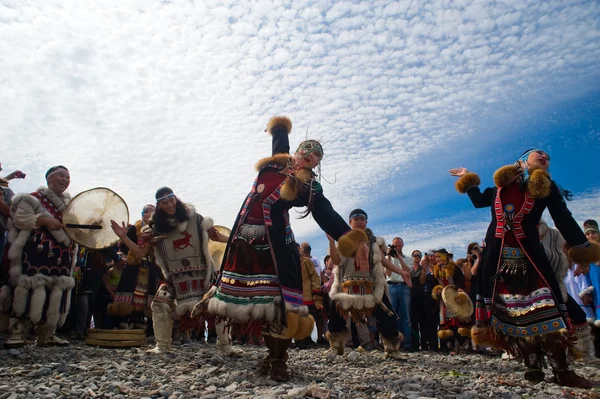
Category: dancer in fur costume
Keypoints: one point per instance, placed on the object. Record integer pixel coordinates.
(260, 282)
(448, 273)
(178, 236)
(519, 306)
(555, 247)
(139, 280)
(41, 258)
(357, 293)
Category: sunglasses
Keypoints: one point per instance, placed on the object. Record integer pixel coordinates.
(164, 199)
(417, 256)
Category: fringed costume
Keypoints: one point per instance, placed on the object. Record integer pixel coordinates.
(450, 324)
(519, 305)
(356, 294)
(138, 284)
(260, 282)
(187, 268)
(41, 266)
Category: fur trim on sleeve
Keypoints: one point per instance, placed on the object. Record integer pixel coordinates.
(505, 175)
(586, 255)
(466, 182)
(539, 184)
(280, 159)
(349, 242)
(279, 121)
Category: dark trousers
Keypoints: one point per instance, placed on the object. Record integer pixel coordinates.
(432, 317)
(418, 321)
(386, 324)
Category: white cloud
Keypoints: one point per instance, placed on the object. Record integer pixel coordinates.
(142, 94)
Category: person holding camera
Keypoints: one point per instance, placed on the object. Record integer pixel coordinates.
(400, 291)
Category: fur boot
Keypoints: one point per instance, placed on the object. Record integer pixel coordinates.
(17, 328)
(224, 343)
(162, 321)
(279, 357)
(391, 347)
(264, 365)
(45, 336)
(337, 341)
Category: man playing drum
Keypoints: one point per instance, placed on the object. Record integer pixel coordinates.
(40, 259)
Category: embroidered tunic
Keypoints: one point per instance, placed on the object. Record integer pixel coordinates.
(187, 267)
(261, 262)
(518, 292)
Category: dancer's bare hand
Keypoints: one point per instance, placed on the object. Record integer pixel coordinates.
(120, 230)
(458, 172)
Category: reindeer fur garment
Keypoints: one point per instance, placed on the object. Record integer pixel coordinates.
(25, 211)
(359, 302)
(207, 223)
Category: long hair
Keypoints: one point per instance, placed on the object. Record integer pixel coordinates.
(163, 223)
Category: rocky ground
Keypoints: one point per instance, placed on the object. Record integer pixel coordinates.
(198, 371)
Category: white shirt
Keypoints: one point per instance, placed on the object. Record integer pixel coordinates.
(318, 267)
(395, 277)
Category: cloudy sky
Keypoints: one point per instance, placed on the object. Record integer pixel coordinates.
(139, 94)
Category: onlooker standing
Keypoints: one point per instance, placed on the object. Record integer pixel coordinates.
(417, 303)
(432, 309)
(400, 291)
(305, 250)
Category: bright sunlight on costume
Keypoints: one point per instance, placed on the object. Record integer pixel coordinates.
(260, 282)
(519, 304)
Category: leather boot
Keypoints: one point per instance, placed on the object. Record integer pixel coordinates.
(279, 358)
(162, 322)
(264, 365)
(391, 347)
(17, 328)
(563, 374)
(337, 341)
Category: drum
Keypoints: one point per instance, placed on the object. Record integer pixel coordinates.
(87, 217)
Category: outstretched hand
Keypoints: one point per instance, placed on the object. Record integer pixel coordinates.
(458, 172)
(120, 230)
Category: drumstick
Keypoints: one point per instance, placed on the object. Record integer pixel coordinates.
(83, 226)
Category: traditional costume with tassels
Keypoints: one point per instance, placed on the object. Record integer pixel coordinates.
(137, 286)
(449, 274)
(41, 267)
(260, 281)
(519, 305)
(357, 294)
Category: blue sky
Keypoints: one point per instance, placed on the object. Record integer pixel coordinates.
(141, 94)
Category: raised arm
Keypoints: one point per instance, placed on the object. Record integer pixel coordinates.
(468, 183)
(279, 128)
(121, 232)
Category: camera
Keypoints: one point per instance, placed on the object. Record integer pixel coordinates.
(392, 251)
